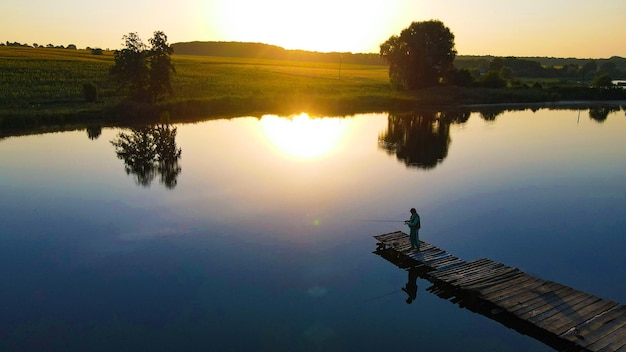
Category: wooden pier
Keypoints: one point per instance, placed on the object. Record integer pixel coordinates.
(558, 315)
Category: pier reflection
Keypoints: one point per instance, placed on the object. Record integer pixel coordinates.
(150, 151)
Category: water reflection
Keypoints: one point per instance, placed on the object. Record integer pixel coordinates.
(600, 114)
(148, 151)
(420, 139)
(302, 136)
(411, 286)
(93, 132)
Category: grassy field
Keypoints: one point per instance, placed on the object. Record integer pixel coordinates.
(44, 86)
(48, 81)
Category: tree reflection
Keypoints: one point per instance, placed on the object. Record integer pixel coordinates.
(93, 132)
(490, 113)
(420, 139)
(148, 151)
(600, 114)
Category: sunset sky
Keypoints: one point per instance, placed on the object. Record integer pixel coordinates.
(557, 28)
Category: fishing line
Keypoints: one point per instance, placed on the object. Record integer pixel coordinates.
(383, 296)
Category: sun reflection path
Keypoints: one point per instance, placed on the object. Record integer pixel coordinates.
(302, 136)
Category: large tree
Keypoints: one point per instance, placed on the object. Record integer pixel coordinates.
(130, 69)
(160, 65)
(144, 72)
(420, 56)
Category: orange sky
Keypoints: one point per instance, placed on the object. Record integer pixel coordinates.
(555, 28)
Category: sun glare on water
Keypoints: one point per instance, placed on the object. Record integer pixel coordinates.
(302, 136)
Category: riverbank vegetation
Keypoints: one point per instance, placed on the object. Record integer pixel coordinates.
(48, 86)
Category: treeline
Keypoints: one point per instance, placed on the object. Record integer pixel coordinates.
(271, 52)
(50, 46)
(537, 67)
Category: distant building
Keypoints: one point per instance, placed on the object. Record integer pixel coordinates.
(620, 83)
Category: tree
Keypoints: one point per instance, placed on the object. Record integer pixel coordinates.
(459, 77)
(608, 68)
(143, 72)
(160, 65)
(590, 67)
(492, 79)
(420, 56)
(130, 69)
(602, 80)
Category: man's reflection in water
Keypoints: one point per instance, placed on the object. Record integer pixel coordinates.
(411, 286)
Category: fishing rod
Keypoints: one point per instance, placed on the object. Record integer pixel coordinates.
(384, 220)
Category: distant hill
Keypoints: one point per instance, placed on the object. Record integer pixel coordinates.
(271, 52)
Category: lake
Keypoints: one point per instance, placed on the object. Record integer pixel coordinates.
(255, 233)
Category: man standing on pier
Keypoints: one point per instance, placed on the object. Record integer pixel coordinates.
(414, 225)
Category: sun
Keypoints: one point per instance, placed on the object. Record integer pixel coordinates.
(322, 25)
(302, 136)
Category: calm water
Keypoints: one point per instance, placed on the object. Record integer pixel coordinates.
(258, 235)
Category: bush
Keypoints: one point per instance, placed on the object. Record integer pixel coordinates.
(492, 79)
(90, 92)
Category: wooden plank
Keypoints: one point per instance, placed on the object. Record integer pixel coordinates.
(447, 263)
(484, 277)
(536, 302)
(568, 317)
(583, 315)
(526, 300)
(424, 247)
(516, 294)
(391, 237)
(525, 280)
(526, 293)
(610, 316)
(452, 264)
(536, 299)
(498, 289)
(434, 258)
(390, 234)
(435, 252)
(513, 289)
(433, 261)
(489, 275)
(530, 311)
(468, 265)
(423, 257)
(466, 270)
(608, 333)
(613, 335)
(486, 268)
(503, 277)
(561, 311)
(578, 315)
(435, 264)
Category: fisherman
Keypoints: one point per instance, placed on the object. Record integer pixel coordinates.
(414, 225)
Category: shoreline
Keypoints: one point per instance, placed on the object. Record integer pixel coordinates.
(172, 114)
